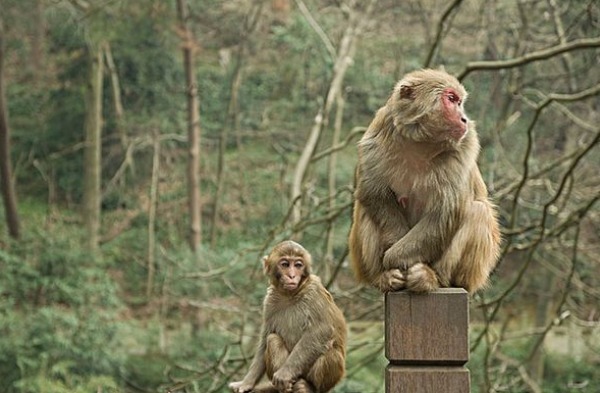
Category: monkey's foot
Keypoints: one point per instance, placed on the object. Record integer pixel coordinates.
(303, 386)
(241, 387)
(265, 387)
(392, 280)
(421, 278)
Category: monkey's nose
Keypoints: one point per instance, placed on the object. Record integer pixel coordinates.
(463, 119)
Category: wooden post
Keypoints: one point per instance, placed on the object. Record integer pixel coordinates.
(427, 342)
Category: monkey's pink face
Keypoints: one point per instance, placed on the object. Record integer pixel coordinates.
(290, 272)
(454, 113)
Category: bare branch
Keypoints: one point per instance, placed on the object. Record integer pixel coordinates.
(589, 92)
(527, 379)
(440, 28)
(559, 315)
(81, 4)
(583, 43)
(315, 25)
(594, 90)
(355, 131)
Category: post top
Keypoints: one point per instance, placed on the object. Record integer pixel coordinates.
(439, 291)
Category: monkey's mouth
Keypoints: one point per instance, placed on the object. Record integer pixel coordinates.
(459, 133)
(290, 286)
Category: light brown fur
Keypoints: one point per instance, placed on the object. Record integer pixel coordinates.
(302, 345)
(422, 218)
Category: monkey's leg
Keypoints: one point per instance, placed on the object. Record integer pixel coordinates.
(472, 254)
(303, 386)
(327, 371)
(264, 387)
(275, 354)
(366, 248)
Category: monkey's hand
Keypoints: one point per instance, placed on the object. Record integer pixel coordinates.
(241, 387)
(283, 380)
(392, 280)
(420, 278)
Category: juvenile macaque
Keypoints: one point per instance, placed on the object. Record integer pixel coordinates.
(302, 347)
(422, 218)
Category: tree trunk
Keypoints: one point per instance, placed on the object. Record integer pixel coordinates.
(116, 90)
(6, 181)
(543, 316)
(331, 172)
(93, 147)
(343, 60)
(38, 39)
(193, 169)
(152, 213)
(233, 118)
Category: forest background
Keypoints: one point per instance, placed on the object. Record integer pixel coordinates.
(152, 151)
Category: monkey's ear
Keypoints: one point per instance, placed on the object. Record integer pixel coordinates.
(265, 261)
(307, 264)
(407, 92)
(307, 269)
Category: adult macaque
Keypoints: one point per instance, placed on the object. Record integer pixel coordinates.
(302, 346)
(422, 218)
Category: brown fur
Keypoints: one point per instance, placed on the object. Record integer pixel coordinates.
(422, 218)
(302, 345)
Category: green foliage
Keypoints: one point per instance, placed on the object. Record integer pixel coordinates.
(147, 371)
(150, 75)
(225, 265)
(563, 374)
(58, 321)
(213, 88)
(62, 324)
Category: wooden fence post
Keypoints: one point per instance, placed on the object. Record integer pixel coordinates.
(427, 342)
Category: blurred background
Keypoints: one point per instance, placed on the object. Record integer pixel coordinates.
(152, 151)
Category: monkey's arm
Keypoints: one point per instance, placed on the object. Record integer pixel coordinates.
(428, 238)
(314, 342)
(378, 221)
(381, 206)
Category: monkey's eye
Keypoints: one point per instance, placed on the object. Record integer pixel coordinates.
(453, 98)
(284, 263)
(299, 264)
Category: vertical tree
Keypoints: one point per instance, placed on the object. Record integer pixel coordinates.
(116, 94)
(250, 25)
(92, 156)
(331, 183)
(193, 169)
(8, 191)
(152, 212)
(93, 146)
(38, 38)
